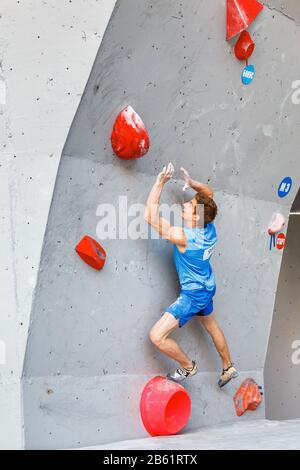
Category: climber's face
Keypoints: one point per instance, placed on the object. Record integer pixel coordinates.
(189, 211)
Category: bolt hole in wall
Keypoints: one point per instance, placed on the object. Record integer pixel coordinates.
(282, 368)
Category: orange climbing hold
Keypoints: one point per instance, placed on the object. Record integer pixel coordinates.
(165, 407)
(91, 252)
(240, 14)
(247, 397)
(129, 139)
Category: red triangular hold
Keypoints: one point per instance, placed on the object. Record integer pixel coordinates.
(240, 14)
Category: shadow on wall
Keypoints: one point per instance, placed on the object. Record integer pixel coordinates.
(282, 368)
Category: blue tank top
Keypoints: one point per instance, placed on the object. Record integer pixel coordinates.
(193, 266)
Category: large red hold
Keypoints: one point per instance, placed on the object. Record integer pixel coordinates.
(247, 397)
(91, 252)
(165, 407)
(240, 14)
(129, 137)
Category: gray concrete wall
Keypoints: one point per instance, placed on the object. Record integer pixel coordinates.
(290, 8)
(296, 205)
(88, 354)
(282, 371)
(47, 49)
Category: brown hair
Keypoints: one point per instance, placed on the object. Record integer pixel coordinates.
(210, 207)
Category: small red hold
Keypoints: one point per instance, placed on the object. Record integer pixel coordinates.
(247, 397)
(129, 137)
(281, 240)
(91, 252)
(240, 14)
(244, 46)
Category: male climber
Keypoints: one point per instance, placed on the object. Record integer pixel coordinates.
(193, 247)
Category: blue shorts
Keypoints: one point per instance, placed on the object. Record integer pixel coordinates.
(191, 303)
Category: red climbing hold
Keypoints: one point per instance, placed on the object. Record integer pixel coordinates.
(165, 407)
(129, 137)
(240, 14)
(244, 46)
(247, 397)
(281, 239)
(91, 252)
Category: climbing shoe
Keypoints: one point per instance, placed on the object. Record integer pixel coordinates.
(182, 374)
(227, 375)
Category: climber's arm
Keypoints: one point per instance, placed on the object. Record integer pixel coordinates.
(163, 227)
(175, 235)
(201, 188)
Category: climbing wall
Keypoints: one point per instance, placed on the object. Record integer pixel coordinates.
(47, 49)
(282, 370)
(88, 354)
